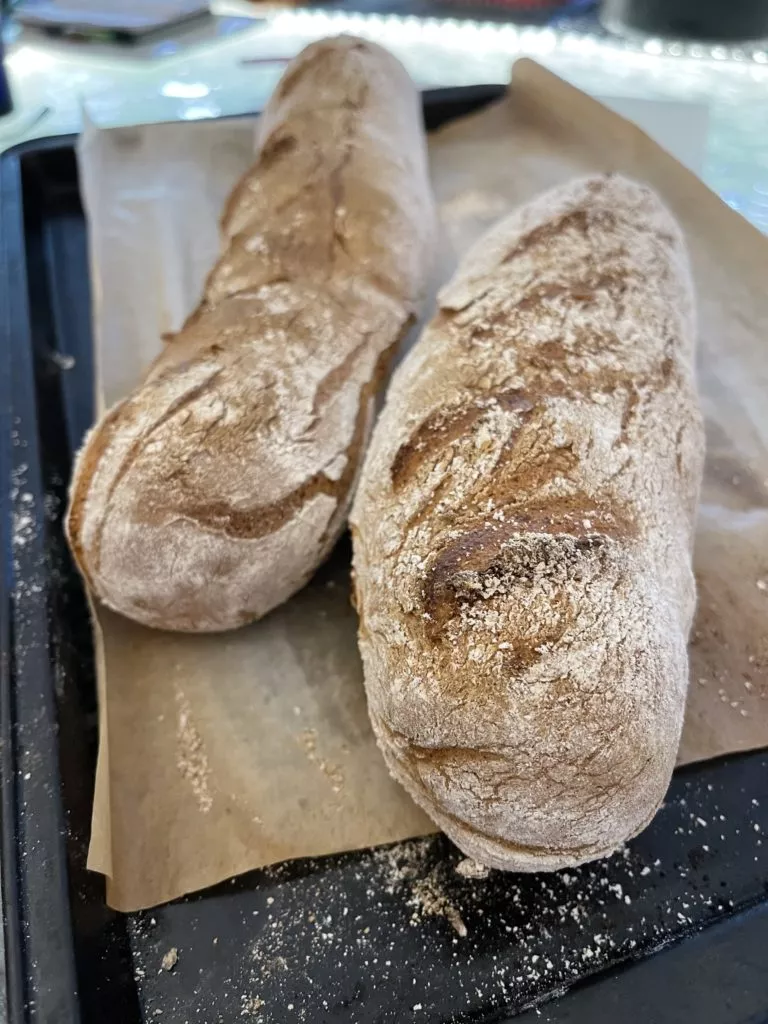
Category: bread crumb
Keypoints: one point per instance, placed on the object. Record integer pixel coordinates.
(427, 898)
(307, 739)
(469, 868)
(250, 1004)
(170, 959)
(406, 866)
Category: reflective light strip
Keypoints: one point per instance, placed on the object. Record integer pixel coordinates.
(472, 34)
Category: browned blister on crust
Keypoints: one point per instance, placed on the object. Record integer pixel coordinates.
(522, 533)
(213, 492)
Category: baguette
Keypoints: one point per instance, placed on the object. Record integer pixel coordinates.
(212, 493)
(522, 533)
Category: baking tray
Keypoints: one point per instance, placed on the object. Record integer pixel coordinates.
(394, 934)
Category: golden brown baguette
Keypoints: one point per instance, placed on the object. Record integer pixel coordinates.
(212, 493)
(522, 533)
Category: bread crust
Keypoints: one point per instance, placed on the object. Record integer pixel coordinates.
(212, 493)
(522, 533)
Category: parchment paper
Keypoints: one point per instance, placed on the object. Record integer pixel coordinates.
(219, 754)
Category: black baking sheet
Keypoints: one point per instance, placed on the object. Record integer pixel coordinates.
(375, 936)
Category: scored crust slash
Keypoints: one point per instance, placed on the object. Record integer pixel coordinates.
(212, 493)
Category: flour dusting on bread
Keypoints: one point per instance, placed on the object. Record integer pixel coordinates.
(522, 533)
(213, 492)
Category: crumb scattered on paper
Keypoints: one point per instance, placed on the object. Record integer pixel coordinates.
(307, 740)
(191, 758)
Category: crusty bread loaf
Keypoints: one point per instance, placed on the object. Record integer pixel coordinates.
(522, 533)
(213, 492)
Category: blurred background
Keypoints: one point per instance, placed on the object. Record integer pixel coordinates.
(131, 61)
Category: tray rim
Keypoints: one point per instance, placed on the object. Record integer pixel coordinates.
(37, 922)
